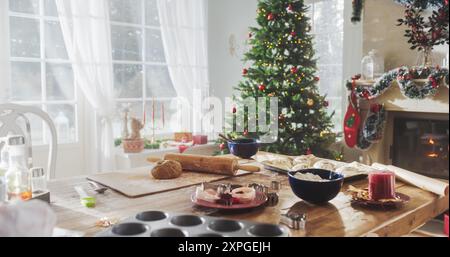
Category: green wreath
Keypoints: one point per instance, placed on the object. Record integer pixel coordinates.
(411, 90)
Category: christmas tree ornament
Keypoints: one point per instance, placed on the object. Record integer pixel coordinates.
(270, 17)
(290, 8)
(294, 70)
(316, 79)
(293, 34)
(262, 87)
(222, 146)
(326, 103)
(244, 72)
(310, 102)
(234, 110)
(352, 121)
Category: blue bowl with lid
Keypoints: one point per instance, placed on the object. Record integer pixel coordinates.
(244, 148)
(316, 192)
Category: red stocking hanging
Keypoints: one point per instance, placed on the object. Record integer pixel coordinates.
(352, 121)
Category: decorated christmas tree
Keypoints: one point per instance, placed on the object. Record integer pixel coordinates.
(281, 63)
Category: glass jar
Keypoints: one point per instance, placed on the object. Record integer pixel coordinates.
(378, 63)
(38, 181)
(367, 68)
(18, 179)
(63, 127)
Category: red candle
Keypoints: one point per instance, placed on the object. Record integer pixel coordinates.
(382, 185)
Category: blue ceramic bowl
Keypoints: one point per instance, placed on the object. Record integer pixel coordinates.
(244, 148)
(316, 192)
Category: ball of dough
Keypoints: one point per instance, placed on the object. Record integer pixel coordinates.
(325, 164)
(167, 170)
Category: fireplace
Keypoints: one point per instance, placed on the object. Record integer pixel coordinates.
(416, 133)
(421, 145)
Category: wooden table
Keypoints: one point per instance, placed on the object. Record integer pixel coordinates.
(336, 219)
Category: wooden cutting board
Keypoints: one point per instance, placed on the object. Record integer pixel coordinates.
(138, 182)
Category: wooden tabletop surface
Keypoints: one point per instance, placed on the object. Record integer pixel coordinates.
(338, 218)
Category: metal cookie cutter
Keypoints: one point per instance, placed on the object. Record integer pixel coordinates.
(275, 185)
(272, 199)
(294, 220)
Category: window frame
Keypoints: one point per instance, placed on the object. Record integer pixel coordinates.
(43, 61)
(144, 63)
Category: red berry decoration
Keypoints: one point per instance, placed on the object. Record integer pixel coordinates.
(366, 94)
(270, 17)
(294, 70)
(434, 83)
(222, 146)
(244, 72)
(262, 87)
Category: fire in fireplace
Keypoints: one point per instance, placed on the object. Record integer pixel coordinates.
(422, 146)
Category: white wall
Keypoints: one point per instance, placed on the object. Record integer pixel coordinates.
(229, 21)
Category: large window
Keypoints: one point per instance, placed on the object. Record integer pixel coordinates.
(140, 70)
(41, 74)
(327, 20)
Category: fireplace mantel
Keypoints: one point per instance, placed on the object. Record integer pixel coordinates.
(395, 101)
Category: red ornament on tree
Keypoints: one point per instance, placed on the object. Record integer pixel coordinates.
(316, 79)
(293, 33)
(326, 103)
(262, 87)
(244, 72)
(270, 17)
(222, 146)
(250, 35)
(234, 110)
(290, 8)
(294, 70)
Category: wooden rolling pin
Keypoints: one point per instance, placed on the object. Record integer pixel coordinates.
(207, 164)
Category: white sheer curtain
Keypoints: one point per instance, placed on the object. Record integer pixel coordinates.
(4, 52)
(185, 39)
(86, 30)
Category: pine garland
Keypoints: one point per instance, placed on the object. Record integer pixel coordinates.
(404, 77)
(358, 6)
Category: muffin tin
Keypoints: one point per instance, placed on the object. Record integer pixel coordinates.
(164, 224)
